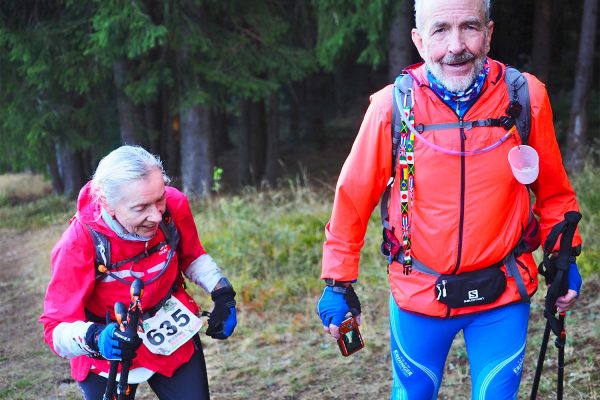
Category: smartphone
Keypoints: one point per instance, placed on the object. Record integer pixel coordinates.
(350, 340)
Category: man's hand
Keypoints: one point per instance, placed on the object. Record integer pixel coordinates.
(334, 304)
(566, 302)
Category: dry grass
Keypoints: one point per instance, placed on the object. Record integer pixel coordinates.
(279, 350)
(22, 187)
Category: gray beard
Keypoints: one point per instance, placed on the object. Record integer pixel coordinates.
(456, 84)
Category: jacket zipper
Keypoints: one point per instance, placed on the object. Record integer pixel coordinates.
(461, 221)
(463, 138)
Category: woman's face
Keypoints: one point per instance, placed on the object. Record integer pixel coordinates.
(142, 204)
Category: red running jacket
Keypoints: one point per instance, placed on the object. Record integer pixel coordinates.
(468, 212)
(73, 286)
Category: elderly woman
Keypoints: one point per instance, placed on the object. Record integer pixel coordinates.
(129, 224)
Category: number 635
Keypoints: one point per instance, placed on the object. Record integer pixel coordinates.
(157, 338)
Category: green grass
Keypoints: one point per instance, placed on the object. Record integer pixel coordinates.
(269, 244)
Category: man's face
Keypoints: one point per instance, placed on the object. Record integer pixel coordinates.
(142, 204)
(453, 39)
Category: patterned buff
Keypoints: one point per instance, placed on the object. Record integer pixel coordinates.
(460, 102)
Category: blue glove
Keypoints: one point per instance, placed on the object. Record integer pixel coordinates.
(111, 343)
(335, 303)
(108, 346)
(222, 320)
(575, 280)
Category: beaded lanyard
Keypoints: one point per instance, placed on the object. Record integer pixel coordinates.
(406, 161)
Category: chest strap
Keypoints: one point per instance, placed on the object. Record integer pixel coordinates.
(504, 122)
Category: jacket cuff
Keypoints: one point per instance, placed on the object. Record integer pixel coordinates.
(204, 272)
(69, 339)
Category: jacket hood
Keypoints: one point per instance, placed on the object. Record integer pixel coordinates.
(89, 211)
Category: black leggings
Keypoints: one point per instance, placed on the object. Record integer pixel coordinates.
(189, 382)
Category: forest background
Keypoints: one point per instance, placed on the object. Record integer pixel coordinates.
(191, 80)
(253, 107)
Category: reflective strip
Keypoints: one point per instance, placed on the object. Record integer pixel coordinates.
(396, 336)
(495, 371)
(126, 273)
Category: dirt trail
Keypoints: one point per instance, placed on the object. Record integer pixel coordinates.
(28, 366)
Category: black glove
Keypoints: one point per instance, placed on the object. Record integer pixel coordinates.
(111, 343)
(222, 320)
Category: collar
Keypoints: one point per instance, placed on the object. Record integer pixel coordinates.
(121, 232)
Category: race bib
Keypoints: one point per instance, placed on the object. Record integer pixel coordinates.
(170, 328)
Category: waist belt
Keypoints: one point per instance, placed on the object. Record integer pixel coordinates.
(509, 261)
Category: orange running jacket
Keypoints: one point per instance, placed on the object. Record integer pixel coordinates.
(468, 213)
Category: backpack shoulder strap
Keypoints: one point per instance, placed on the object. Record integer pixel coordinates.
(518, 90)
(404, 84)
(102, 260)
(170, 230)
(102, 247)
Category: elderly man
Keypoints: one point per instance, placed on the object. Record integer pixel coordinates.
(456, 215)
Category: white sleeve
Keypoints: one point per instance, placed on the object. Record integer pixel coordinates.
(69, 339)
(204, 271)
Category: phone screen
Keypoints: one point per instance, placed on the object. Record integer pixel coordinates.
(352, 341)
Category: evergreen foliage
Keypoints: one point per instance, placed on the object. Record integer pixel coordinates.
(67, 66)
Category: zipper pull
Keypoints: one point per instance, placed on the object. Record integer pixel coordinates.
(444, 288)
(439, 289)
(462, 129)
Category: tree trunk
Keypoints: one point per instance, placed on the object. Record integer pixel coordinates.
(196, 151)
(70, 170)
(169, 139)
(294, 94)
(152, 125)
(221, 139)
(252, 141)
(244, 150)
(128, 123)
(576, 135)
(258, 140)
(315, 122)
(272, 161)
(542, 38)
(401, 47)
(55, 178)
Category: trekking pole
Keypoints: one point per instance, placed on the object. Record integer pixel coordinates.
(540, 363)
(121, 315)
(560, 344)
(555, 269)
(133, 316)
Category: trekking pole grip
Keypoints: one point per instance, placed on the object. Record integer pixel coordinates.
(133, 316)
(120, 315)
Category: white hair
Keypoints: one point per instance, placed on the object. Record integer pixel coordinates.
(419, 6)
(120, 166)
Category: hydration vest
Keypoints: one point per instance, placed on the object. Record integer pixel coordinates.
(104, 266)
(518, 114)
